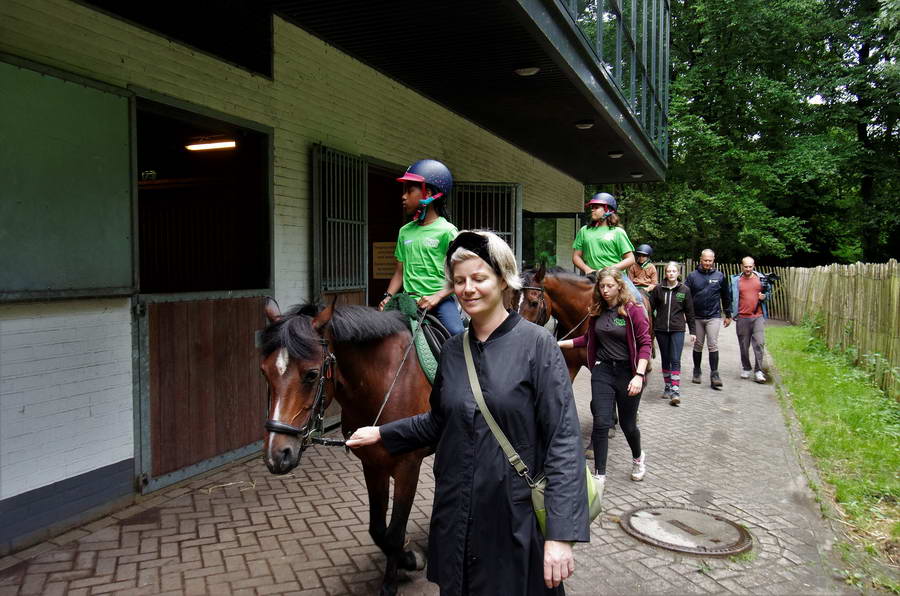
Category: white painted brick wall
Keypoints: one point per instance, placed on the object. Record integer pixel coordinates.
(65, 390)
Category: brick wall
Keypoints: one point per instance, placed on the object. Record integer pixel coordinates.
(65, 391)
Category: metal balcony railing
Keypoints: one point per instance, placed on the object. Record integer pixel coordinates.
(631, 40)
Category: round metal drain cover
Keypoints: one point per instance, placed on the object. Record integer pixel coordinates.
(687, 530)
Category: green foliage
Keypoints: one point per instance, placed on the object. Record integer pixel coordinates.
(784, 133)
(851, 428)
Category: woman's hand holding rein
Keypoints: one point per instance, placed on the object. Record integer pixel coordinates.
(367, 435)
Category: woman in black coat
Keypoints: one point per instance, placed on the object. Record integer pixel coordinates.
(484, 538)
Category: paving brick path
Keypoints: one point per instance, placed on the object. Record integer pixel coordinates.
(244, 531)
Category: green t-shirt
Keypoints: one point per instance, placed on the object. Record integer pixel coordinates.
(602, 246)
(422, 250)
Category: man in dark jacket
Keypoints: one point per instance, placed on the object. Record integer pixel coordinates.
(711, 294)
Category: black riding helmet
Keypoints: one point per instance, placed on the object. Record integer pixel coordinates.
(644, 249)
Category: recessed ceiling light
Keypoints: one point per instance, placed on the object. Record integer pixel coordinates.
(528, 71)
(584, 124)
(615, 154)
(637, 174)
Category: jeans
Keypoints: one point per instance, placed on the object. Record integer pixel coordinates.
(670, 345)
(448, 314)
(609, 389)
(751, 332)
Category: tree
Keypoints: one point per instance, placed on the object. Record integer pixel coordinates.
(783, 119)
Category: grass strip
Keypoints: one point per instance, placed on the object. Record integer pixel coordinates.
(853, 431)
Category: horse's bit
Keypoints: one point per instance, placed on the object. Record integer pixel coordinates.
(315, 425)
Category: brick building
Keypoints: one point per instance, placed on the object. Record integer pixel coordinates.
(132, 270)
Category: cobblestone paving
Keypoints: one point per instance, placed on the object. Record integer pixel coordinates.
(244, 531)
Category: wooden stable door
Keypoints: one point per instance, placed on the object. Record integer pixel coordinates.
(206, 398)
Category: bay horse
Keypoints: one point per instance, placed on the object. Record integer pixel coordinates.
(348, 353)
(566, 296)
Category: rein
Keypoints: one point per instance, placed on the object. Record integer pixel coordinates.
(543, 311)
(412, 341)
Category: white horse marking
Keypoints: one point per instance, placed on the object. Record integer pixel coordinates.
(281, 363)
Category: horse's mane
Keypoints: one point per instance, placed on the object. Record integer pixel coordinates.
(350, 323)
(558, 273)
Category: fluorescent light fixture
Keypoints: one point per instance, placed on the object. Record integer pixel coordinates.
(206, 146)
(636, 174)
(528, 71)
(616, 154)
(584, 124)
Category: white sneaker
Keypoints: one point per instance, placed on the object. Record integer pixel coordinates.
(745, 374)
(601, 485)
(760, 377)
(638, 469)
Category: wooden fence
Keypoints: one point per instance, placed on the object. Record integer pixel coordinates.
(857, 306)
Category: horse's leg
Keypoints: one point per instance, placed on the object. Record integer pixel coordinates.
(406, 480)
(378, 485)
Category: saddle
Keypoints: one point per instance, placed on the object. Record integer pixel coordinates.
(430, 337)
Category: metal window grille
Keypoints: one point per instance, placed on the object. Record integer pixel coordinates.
(495, 206)
(339, 221)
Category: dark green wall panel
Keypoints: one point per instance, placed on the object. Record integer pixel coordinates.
(65, 187)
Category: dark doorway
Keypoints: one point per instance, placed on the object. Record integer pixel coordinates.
(203, 215)
(385, 220)
(205, 267)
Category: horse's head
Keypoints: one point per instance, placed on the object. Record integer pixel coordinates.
(298, 366)
(534, 303)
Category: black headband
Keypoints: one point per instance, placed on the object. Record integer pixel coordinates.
(476, 243)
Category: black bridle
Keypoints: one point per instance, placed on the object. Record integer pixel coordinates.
(315, 424)
(543, 313)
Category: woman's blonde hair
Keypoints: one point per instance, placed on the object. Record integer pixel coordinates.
(498, 250)
(622, 300)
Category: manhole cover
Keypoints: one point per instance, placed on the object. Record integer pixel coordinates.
(687, 530)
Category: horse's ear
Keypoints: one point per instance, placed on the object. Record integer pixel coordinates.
(273, 313)
(539, 274)
(323, 318)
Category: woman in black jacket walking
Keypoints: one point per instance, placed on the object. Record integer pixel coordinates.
(484, 538)
(672, 307)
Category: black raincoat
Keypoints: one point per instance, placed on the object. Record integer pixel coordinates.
(484, 537)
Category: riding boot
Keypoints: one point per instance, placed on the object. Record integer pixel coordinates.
(698, 360)
(714, 380)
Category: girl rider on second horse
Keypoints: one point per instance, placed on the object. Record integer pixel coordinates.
(602, 243)
(423, 242)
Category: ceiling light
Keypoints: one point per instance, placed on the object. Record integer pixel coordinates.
(584, 124)
(206, 146)
(615, 154)
(528, 71)
(636, 174)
